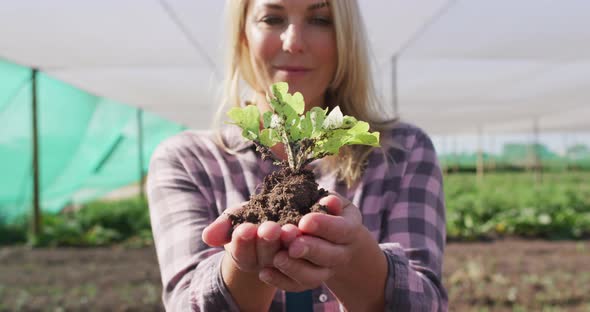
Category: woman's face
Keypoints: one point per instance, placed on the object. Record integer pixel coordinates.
(292, 41)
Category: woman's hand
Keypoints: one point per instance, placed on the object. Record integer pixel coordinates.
(251, 247)
(325, 248)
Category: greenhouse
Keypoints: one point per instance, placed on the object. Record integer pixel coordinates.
(104, 103)
(89, 89)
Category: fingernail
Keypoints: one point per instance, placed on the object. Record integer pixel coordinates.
(299, 251)
(272, 238)
(265, 276)
(248, 236)
(280, 260)
(310, 226)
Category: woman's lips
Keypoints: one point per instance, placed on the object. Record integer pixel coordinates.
(293, 71)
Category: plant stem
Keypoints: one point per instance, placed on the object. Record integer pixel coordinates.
(288, 149)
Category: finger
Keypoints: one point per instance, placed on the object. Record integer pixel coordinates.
(302, 271)
(243, 247)
(334, 203)
(268, 242)
(339, 228)
(277, 279)
(319, 251)
(339, 205)
(335, 229)
(288, 233)
(218, 233)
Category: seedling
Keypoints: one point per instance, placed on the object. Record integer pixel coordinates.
(306, 136)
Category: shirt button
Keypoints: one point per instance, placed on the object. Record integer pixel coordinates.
(323, 298)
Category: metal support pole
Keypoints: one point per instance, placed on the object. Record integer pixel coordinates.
(36, 222)
(480, 160)
(538, 166)
(140, 152)
(445, 150)
(455, 157)
(492, 160)
(566, 152)
(394, 95)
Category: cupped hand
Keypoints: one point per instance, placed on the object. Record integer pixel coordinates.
(326, 246)
(251, 247)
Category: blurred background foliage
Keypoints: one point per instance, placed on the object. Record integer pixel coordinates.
(502, 204)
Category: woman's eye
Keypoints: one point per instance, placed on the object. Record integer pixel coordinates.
(320, 21)
(272, 20)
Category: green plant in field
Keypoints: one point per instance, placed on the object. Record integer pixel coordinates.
(504, 205)
(59, 231)
(13, 233)
(508, 204)
(305, 136)
(96, 224)
(127, 217)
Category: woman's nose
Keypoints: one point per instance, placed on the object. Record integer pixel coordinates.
(292, 39)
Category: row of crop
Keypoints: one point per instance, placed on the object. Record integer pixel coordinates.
(96, 224)
(500, 205)
(558, 207)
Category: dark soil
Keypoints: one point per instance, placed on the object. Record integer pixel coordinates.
(518, 275)
(286, 196)
(79, 279)
(508, 275)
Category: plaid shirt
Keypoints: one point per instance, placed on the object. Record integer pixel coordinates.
(191, 181)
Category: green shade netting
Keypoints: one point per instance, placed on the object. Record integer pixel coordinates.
(88, 145)
(519, 154)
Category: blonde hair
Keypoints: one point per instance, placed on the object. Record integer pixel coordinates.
(351, 88)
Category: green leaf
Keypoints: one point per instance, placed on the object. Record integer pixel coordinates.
(279, 90)
(283, 110)
(306, 126)
(290, 116)
(371, 139)
(289, 107)
(266, 119)
(250, 135)
(348, 122)
(288, 122)
(296, 102)
(277, 105)
(317, 116)
(359, 127)
(295, 132)
(269, 137)
(334, 141)
(247, 118)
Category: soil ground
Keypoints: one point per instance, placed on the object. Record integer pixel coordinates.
(286, 197)
(510, 275)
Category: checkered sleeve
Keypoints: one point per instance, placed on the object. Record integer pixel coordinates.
(180, 209)
(415, 233)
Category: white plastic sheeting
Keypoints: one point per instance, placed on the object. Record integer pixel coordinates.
(462, 65)
(499, 65)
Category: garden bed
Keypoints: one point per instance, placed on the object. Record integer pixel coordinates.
(504, 275)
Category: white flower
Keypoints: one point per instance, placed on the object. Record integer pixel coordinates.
(275, 121)
(334, 119)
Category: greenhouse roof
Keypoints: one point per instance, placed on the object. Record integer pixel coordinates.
(461, 65)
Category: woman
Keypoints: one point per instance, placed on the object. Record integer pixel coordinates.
(381, 246)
